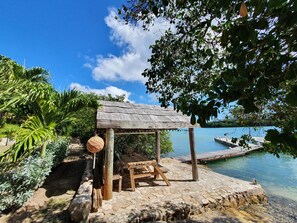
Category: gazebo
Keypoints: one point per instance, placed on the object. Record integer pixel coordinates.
(128, 118)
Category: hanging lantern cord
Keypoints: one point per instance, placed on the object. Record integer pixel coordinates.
(94, 160)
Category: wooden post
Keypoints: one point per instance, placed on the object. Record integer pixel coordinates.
(109, 164)
(158, 150)
(193, 155)
(98, 182)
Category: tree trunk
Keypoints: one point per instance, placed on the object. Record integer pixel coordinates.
(43, 149)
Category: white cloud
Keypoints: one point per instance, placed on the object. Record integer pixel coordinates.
(135, 43)
(113, 91)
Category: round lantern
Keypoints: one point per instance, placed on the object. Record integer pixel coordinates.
(95, 144)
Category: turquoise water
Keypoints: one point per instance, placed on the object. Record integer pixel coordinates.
(278, 176)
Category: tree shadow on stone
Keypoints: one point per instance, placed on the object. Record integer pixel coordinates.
(162, 212)
(53, 211)
(64, 178)
(172, 212)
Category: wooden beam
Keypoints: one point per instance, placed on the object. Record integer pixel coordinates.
(158, 150)
(146, 124)
(109, 152)
(133, 133)
(193, 155)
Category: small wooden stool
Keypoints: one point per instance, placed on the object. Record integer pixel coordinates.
(119, 178)
(116, 177)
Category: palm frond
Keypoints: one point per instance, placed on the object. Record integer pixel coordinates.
(36, 74)
(31, 135)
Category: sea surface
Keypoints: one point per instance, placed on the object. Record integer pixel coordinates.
(278, 176)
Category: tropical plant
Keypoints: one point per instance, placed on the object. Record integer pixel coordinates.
(50, 116)
(18, 184)
(8, 131)
(46, 111)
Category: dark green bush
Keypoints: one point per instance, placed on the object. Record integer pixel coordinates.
(19, 184)
(144, 144)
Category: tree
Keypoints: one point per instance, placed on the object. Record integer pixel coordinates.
(225, 51)
(85, 120)
(261, 118)
(25, 85)
(144, 144)
(50, 116)
(46, 111)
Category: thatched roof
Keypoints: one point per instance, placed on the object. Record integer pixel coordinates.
(122, 115)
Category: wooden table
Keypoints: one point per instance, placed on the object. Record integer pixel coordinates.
(136, 161)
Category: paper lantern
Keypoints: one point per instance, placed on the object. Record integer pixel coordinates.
(95, 144)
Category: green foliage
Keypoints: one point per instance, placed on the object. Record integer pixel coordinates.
(281, 142)
(244, 140)
(19, 184)
(238, 117)
(144, 144)
(42, 112)
(84, 123)
(214, 56)
(8, 131)
(59, 149)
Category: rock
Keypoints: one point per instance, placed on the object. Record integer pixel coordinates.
(226, 202)
(233, 202)
(205, 202)
(88, 175)
(263, 199)
(99, 219)
(85, 189)
(75, 140)
(80, 208)
(254, 199)
(241, 200)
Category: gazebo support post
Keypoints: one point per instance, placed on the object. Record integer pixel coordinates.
(158, 150)
(193, 155)
(109, 164)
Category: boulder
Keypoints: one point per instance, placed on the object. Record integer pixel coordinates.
(80, 208)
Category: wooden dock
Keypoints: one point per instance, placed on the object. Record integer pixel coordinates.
(234, 151)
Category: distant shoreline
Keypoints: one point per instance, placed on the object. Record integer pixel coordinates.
(235, 123)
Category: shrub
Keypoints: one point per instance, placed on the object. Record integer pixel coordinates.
(19, 184)
(143, 143)
(58, 149)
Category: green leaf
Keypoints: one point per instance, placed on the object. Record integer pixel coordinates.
(291, 72)
(271, 135)
(243, 33)
(165, 2)
(259, 8)
(262, 24)
(208, 52)
(227, 77)
(291, 98)
(276, 3)
(155, 10)
(224, 38)
(208, 64)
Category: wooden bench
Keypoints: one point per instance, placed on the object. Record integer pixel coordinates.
(137, 162)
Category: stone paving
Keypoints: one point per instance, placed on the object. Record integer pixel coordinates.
(153, 200)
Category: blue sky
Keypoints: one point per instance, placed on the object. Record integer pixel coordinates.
(80, 44)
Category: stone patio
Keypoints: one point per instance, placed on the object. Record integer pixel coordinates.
(153, 200)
